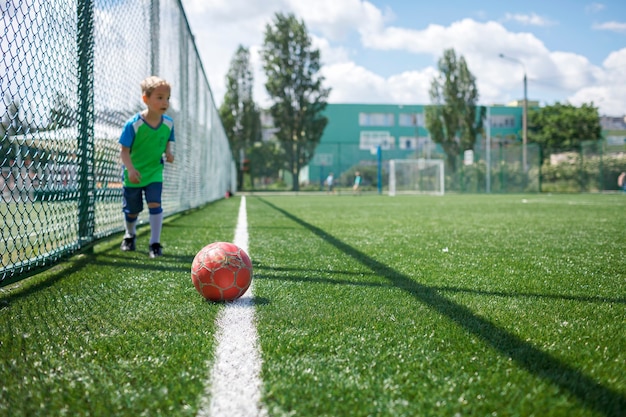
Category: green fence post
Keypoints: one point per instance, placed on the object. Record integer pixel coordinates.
(601, 186)
(86, 157)
(539, 174)
(581, 170)
(501, 169)
(379, 158)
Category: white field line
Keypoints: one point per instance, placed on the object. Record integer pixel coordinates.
(235, 385)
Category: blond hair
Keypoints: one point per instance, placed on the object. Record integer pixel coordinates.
(149, 84)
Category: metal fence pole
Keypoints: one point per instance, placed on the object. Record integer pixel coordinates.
(85, 157)
(379, 157)
(540, 173)
(154, 36)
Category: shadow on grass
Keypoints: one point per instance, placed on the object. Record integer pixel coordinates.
(110, 257)
(577, 298)
(321, 272)
(503, 294)
(592, 394)
(141, 261)
(24, 289)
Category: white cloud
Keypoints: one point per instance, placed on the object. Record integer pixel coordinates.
(412, 86)
(611, 90)
(220, 26)
(337, 19)
(330, 54)
(334, 26)
(595, 8)
(354, 84)
(528, 19)
(619, 27)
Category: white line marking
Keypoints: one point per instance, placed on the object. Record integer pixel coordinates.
(235, 386)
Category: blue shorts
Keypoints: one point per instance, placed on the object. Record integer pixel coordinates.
(133, 197)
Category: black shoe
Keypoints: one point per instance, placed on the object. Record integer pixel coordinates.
(156, 250)
(128, 243)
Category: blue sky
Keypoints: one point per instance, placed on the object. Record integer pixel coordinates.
(387, 51)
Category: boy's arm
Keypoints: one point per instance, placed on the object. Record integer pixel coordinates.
(133, 175)
(169, 156)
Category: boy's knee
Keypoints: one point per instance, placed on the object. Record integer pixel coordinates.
(155, 209)
(130, 217)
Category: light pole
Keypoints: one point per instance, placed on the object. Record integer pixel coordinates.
(525, 113)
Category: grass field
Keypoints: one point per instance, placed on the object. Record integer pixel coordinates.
(499, 305)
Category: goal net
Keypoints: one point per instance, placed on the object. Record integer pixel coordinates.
(416, 176)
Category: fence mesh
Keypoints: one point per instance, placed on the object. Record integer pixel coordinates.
(69, 74)
(497, 170)
(496, 167)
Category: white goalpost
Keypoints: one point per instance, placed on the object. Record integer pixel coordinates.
(416, 176)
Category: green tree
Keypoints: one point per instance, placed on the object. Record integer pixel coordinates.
(268, 160)
(454, 120)
(562, 127)
(295, 86)
(240, 115)
(61, 113)
(13, 123)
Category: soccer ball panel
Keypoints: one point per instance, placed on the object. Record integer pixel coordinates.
(221, 271)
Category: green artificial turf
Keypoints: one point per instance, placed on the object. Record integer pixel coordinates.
(500, 305)
(114, 333)
(455, 305)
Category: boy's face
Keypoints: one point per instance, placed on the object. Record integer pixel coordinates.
(159, 100)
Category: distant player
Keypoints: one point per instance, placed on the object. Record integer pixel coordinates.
(330, 183)
(621, 181)
(146, 137)
(356, 188)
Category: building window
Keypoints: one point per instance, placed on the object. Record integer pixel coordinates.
(371, 140)
(407, 142)
(411, 143)
(502, 121)
(375, 119)
(411, 119)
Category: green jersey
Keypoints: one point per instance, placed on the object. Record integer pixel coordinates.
(147, 145)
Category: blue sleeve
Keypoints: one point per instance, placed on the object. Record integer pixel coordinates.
(170, 123)
(128, 135)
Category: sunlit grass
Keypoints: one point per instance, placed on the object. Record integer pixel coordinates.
(435, 306)
(113, 333)
(365, 306)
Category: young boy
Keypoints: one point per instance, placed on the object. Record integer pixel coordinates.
(145, 138)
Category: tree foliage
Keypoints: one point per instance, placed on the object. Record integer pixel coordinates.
(61, 113)
(239, 113)
(294, 84)
(454, 120)
(562, 127)
(14, 122)
(268, 157)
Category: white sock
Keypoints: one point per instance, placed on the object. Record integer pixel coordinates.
(156, 222)
(131, 228)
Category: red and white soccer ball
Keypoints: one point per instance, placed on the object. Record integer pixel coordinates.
(221, 271)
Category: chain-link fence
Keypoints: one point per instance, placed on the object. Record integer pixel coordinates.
(70, 74)
(594, 166)
(497, 168)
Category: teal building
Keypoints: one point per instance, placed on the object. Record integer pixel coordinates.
(355, 131)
